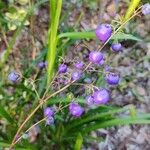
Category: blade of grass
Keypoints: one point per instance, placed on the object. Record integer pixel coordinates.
(90, 118)
(77, 35)
(6, 115)
(141, 119)
(79, 142)
(52, 40)
(91, 35)
(133, 5)
(52, 9)
(4, 144)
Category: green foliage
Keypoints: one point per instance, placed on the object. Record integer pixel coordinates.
(78, 143)
(4, 114)
(91, 35)
(132, 6)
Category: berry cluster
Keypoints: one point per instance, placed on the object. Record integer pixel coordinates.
(49, 115)
(100, 95)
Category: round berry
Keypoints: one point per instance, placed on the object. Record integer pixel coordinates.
(75, 109)
(42, 65)
(95, 57)
(116, 47)
(146, 9)
(89, 100)
(62, 68)
(103, 32)
(107, 68)
(76, 75)
(48, 112)
(101, 62)
(79, 65)
(112, 78)
(49, 120)
(101, 96)
(13, 76)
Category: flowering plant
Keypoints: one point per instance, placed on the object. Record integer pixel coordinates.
(73, 103)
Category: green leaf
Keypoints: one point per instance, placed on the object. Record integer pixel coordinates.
(52, 38)
(100, 82)
(5, 144)
(91, 35)
(133, 5)
(77, 35)
(124, 36)
(141, 119)
(92, 117)
(133, 112)
(64, 100)
(79, 142)
(5, 115)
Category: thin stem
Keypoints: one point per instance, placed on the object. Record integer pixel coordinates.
(29, 130)
(101, 47)
(61, 108)
(23, 124)
(41, 103)
(49, 86)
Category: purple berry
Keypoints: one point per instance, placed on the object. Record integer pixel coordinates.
(48, 112)
(103, 32)
(112, 78)
(79, 65)
(116, 47)
(76, 75)
(49, 120)
(89, 100)
(101, 62)
(95, 57)
(41, 65)
(146, 9)
(75, 109)
(13, 76)
(62, 68)
(107, 68)
(88, 80)
(101, 96)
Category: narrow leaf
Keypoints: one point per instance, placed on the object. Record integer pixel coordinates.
(91, 35)
(142, 119)
(4, 114)
(124, 36)
(77, 35)
(3, 144)
(79, 142)
(133, 5)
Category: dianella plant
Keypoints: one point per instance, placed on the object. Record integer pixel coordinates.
(72, 103)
